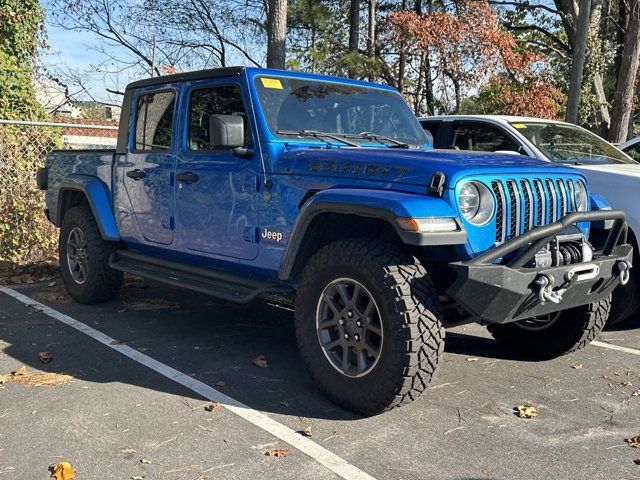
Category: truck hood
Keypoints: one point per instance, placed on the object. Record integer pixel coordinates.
(628, 170)
(408, 166)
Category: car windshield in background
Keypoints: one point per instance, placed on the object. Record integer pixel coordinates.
(335, 112)
(570, 144)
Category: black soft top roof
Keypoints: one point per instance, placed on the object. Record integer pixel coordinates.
(188, 76)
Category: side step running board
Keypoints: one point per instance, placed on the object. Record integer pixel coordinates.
(216, 283)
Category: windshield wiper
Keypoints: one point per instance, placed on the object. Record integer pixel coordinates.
(380, 139)
(318, 135)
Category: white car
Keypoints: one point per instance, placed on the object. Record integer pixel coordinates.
(632, 148)
(611, 173)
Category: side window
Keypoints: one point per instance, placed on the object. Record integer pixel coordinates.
(634, 152)
(431, 128)
(481, 138)
(154, 121)
(206, 102)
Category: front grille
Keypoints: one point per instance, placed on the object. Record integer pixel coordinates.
(524, 204)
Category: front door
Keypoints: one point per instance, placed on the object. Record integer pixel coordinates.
(216, 192)
(148, 168)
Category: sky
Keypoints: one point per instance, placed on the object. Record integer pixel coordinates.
(75, 52)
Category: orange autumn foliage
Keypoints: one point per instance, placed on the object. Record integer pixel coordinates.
(470, 49)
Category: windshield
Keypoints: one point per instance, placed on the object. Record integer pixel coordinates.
(570, 144)
(361, 114)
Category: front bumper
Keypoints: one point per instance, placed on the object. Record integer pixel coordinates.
(503, 293)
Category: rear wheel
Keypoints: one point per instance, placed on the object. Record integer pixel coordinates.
(556, 334)
(84, 258)
(367, 325)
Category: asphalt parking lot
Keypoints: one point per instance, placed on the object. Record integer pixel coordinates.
(120, 419)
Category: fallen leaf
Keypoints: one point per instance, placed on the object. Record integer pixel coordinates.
(260, 361)
(472, 359)
(306, 432)
(146, 461)
(39, 379)
(634, 441)
(626, 383)
(212, 407)
(276, 452)
(220, 383)
(129, 450)
(284, 404)
(45, 357)
(637, 462)
(63, 471)
(137, 477)
(576, 365)
(636, 393)
(485, 471)
(527, 411)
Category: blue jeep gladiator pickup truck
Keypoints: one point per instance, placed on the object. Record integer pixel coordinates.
(321, 194)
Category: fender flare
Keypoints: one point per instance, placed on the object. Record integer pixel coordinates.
(96, 192)
(379, 204)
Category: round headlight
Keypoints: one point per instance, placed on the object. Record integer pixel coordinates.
(476, 203)
(582, 199)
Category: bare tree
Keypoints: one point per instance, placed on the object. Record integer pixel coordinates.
(625, 86)
(276, 33)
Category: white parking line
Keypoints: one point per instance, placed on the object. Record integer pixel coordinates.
(611, 346)
(320, 454)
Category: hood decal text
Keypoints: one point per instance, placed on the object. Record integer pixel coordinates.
(368, 170)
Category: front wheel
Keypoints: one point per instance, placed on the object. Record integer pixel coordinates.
(367, 325)
(556, 334)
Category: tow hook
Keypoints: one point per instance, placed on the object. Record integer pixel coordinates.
(623, 269)
(545, 292)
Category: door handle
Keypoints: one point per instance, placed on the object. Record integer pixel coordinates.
(136, 174)
(187, 177)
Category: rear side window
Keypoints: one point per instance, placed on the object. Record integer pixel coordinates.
(218, 100)
(431, 128)
(481, 138)
(154, 121)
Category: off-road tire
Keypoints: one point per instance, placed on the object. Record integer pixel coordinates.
(626, 298)
(409, 314)
(102, 282)
(573, 330)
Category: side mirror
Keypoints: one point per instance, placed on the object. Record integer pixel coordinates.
(226, 131)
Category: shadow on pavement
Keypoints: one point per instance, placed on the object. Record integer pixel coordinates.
(211, 341)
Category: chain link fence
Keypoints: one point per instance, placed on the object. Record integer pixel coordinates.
(25, 235)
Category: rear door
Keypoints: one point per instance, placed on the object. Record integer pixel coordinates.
(216, 204)
(150, 163)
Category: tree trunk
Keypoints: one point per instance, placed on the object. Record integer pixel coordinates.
(428, 86)
(354, 26)
(402, 62)
(625, 87)
(276, 33)
(577, 64)
(354, 33)
(371, 40)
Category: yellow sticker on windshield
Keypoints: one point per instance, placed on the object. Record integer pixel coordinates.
(519, 125)
(271, 83)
